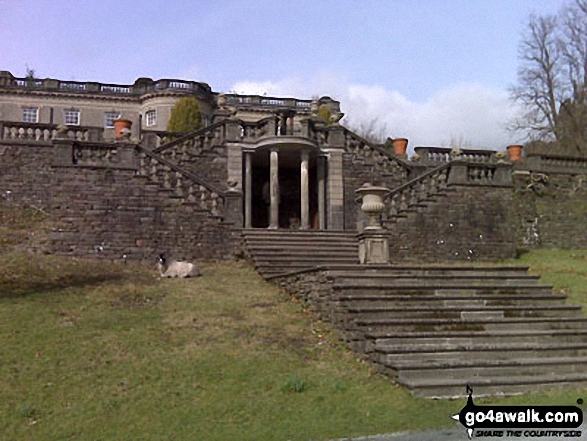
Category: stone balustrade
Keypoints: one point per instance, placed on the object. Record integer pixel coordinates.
(555, 163)
(417, 191)
(374, 155)
(434, 182)
(192, 143)
(181, 183)
(26, 132)
(140, 87)
(256, 100)
(442, 155)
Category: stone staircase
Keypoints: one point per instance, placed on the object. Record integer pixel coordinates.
(436, 328)
(275, 252)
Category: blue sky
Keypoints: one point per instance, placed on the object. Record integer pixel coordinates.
(430, 70)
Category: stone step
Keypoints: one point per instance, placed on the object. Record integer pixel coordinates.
(440, 387)
(469, 337)
(310, 255)
(352, 301)
(317, 241)
(361, 327)
(479, 276)
(471, 369)
(435, 283)
(392, 354)
(391, 312)
(304, 254)
(383, 271)
(464, 291)
(303, 247)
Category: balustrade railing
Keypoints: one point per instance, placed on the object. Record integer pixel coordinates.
(556, 163)
(373, 154)
(192, 143)
(434, 182)
(416, 191)
(37, 132)
(181, 183)
(441, 155)
(141, 86)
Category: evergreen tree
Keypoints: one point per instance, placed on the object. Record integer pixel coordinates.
(185, 116)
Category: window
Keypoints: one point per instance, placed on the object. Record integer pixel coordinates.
(151, 118)
(30, 114)
(110, 118)
(72, 117)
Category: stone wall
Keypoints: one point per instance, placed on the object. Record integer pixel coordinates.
(468, 223)
(551, 209)
(105, 208)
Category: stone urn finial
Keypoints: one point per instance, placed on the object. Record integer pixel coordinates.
(372, 204)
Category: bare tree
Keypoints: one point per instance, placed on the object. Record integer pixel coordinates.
(540, 82)
(552, 77)
(372, 130)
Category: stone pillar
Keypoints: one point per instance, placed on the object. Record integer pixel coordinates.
(335, 191)
(291, 125)
(321, 172)
(304, 191)
(274, 188)
(248, 189)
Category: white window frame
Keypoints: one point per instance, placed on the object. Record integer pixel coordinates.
(71, 117)
(150, 118)
(109, 119)
(27, 114)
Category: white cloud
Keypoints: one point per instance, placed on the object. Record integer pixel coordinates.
(471, 113)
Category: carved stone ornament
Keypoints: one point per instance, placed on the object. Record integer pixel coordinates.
(372, 204)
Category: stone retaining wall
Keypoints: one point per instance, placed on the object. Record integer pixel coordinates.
(108, 210)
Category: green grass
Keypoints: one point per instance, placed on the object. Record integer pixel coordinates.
(101, 351)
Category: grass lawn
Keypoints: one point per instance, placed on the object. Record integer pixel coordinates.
(102, 351)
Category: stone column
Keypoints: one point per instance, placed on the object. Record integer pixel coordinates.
(274, 188)
(321, 169)
(248, 189)
(304, 191)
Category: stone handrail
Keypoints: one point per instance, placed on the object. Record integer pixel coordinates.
(441, 155)
(556, 163)
(455, 172)
(417, 190)
(194, 142)
(366, 151)
(38, 132)
(182, 183)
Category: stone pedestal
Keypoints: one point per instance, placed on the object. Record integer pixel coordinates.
(373, 247)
